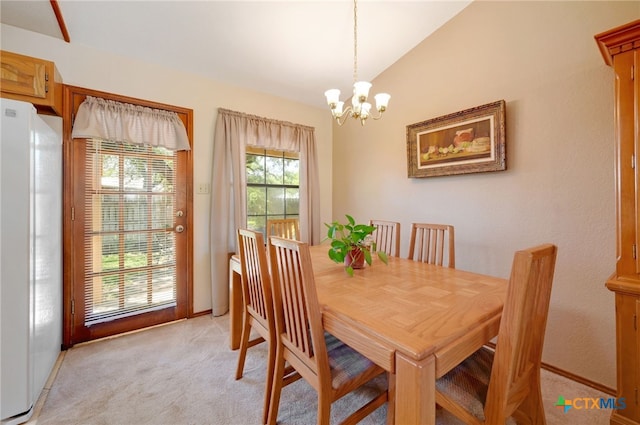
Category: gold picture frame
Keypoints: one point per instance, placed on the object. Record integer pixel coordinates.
(469, 141)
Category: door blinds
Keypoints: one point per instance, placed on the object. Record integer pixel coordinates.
(129, 239)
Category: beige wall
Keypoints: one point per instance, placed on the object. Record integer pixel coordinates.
(541, 58)
(85, 67)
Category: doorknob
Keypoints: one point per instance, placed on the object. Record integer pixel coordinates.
(179, 228)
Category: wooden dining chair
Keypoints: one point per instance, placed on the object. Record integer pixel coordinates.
(386, 236)
(258, 305)
(432, 243)
(501, 387)
(332, 368)
(288, 228)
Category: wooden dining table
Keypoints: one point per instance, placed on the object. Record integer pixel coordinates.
(415, 320)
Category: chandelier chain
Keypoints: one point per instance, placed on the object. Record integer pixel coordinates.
(355, 41)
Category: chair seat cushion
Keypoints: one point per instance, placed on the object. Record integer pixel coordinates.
(467, 383)
(345, 363)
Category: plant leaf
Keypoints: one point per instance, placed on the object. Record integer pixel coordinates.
(335, 256)
(383, 257)
(367, 255)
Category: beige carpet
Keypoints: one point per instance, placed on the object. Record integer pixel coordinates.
(182, 373)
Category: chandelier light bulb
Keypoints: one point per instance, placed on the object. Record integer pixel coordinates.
(382, 101)
(361, 90)
(333, 96)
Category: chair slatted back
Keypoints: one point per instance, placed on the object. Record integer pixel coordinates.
(288, 228)
(301, 338)
(256, 283)
(387, 236)
(298, 316)
(516, 365)
(257, 314)
(432, 243)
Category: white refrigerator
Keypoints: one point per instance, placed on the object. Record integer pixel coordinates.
(31, 257)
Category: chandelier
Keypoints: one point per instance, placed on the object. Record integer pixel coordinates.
(360, 108)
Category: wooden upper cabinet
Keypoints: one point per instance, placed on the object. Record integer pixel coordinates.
(620, 48)
(32, 80)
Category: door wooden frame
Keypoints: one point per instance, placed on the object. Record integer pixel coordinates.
(70, 97)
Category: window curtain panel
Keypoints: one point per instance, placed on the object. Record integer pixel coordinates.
(123, 122)
(235, 131)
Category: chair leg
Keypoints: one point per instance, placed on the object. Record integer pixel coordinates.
(244, 344)
(271, 360)
(276, 390)
(324, 408)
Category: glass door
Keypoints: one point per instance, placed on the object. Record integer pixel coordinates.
(129, 241)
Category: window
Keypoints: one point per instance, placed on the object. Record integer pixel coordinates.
(273, 186)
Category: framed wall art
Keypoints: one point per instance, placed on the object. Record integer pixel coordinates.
(469, 141)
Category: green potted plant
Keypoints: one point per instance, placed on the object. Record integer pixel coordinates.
(352, 244)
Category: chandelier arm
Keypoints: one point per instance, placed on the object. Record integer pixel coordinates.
(341, 122)
(345, 114)
(378, 117)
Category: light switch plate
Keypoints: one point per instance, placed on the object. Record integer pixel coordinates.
(202, 188)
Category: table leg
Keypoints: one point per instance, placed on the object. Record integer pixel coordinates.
(235, 303)
(415, 391)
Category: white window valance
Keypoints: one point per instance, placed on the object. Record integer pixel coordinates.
(124, 122)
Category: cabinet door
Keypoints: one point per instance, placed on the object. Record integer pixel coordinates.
(626, 165)
(627, 308)
(25, 76)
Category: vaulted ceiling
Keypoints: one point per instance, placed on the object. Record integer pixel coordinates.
(292, 49)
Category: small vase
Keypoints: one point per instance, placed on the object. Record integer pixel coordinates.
(355, 259)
